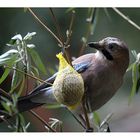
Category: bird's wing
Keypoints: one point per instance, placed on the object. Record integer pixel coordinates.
(42, 86)
(82, 63)
(80, 67)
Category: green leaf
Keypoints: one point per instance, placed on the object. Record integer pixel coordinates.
(134, 53)
(130, 67)
(17, 37)
(35, 72)
(134, 80)
(37, 60)
(70, 9)
(5, 74)
(89, 11)
(106, 119)
(138, 58)
(20, 124)
(22, 85)
(8, 56)
(29, 36)
(97, 118)
(15, 79)
(6, 104)
(14, 100)
(31, 46)
(8, 53)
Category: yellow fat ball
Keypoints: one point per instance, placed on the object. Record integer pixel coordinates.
(68, 86)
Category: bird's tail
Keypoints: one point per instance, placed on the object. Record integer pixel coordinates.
(25, 104)
(33, 100)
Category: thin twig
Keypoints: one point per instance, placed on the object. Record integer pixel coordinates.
(60, 35)
(56, 24)
(7, 121)
(66, 44)
(16, 86)
(126, 18)
(91, 20)
(43, 121)
(47, 28)
(26, 70)
(82, 118)
(70, 28)
(86, 116)
(76, 118)
(5, 93)
(36, 78)
(84, 43)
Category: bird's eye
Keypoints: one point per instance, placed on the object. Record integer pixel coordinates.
(112, 46)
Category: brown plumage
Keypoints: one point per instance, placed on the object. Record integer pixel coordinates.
(104, 77)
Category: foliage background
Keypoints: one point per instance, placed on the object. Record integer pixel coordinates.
(15, 20)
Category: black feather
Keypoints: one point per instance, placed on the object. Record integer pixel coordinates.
(107, 54)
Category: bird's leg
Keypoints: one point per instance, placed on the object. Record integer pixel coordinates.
(89, 129)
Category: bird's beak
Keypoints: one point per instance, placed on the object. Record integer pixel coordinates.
(95, 45)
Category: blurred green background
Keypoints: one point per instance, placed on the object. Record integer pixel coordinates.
(16, 21)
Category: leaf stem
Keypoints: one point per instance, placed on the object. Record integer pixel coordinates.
(5, 93)
(56, 24)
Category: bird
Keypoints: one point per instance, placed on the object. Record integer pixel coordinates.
(102, 73)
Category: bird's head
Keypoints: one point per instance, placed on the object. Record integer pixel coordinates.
(113, 49)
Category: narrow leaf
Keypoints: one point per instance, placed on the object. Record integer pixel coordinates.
(37, 60)
(35, 71)
(29, 36)
(134, 53)
(9, 58)
(22, 85)
(17, 37)
(130, 67)
(70, 9)
(97, 118)
(6, 106)
(8, 53)
(4, 76)
(31, 46)
(106, 119)
(134, 80)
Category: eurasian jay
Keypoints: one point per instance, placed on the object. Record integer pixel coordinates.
(102, 73)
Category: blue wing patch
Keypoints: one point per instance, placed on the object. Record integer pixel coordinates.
(81, 67)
